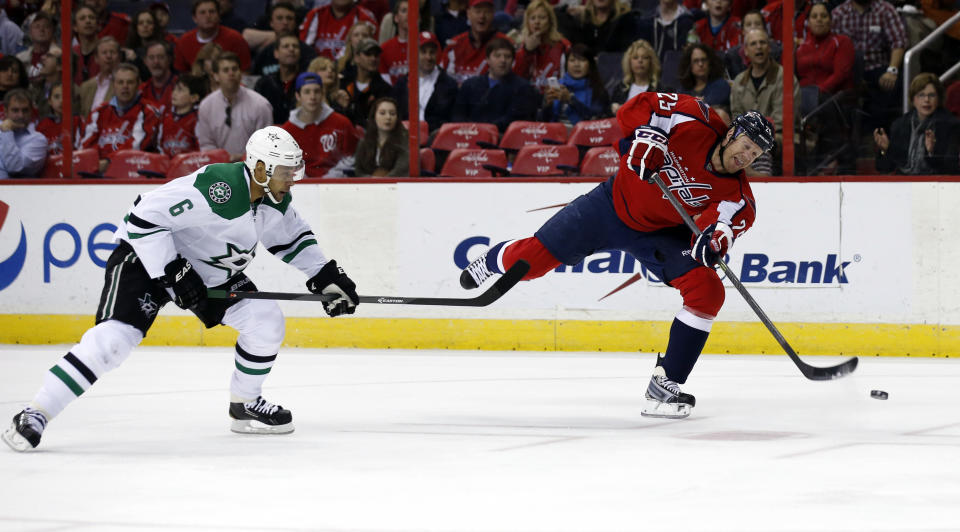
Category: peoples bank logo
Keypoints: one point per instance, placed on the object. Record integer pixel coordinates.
(12, 265)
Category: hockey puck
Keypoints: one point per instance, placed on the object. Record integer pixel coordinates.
(879, 394)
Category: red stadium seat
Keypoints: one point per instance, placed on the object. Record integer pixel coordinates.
(187, 163)
(522, 133)
(455, 135)
(126, 164)
(600, 161)
(952, 98)
(464, 162)
(424, 131)
(83, 161)
(428, 161)
(542, 160)
(595, 133)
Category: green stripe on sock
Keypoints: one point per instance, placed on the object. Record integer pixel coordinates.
(72, 384)
(249, 371)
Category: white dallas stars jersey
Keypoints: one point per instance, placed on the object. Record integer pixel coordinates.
(207, 218)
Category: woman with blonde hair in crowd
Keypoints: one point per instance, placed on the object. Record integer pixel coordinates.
(335, 97)
(592, 23)
(641, 73)
(541, 50)
(384, 149)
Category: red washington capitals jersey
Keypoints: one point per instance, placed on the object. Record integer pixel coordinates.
(109, 131)
(725, 39)
(178, 133)
(693, 130)
(327, 33)
(462, 60)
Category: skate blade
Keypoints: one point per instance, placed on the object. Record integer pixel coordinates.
(250, 426)
(16, 442)
(665, 410)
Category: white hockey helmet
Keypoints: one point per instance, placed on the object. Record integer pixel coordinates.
(277, 150)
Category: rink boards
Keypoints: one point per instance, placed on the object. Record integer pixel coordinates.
(855, 268)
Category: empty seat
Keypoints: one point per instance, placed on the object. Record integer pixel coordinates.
(600, 161)
(455, 135)
(522, 133)
(187, 163)
(424, 131)
(83, 161)
(126, 164)
(602, 132)
(542, 160)
(471, 162)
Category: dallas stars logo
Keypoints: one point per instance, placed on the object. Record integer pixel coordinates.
(273, 136)
(234, 261)
(147, 305)
(219, 192)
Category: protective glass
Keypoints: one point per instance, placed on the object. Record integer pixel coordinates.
(288, 173)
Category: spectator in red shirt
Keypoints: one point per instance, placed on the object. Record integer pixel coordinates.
(41, 41)
(326, 27)
(125, 122)
(206, 15)
(109, 23)
(393, 60)
(719, 30)
(327, 138)
(178, 126)
(465, 55)
(51, 125)
(825, 59)
(542, 53)
(158, 88)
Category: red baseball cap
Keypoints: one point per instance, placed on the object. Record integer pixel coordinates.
(479, 2)
(428, 38)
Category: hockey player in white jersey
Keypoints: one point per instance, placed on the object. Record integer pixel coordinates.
(195, 232)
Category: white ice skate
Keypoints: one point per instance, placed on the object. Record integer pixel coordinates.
(664, 398)
(24, 432)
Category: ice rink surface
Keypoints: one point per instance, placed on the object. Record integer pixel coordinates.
(488, 441)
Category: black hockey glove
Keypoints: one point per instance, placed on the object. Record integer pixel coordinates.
(332, 280)
(647, 152)
(188, 288)
(712, 244)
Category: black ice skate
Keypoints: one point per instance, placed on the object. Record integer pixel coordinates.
(260, 417)
(25, 431)
(476, 273)
(664, 398)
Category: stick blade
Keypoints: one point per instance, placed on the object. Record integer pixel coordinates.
(829, 373)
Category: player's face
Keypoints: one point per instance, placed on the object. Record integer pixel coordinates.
(283, 20)
(480, 17)
(718, 8)
(283, 178)
(386, 116)
(206, 17)
(926, 101)
(145, 25)
(125, 85)
(538, 22)
(428, 58)
(500, 62)
(157, 60)
(819, 20)
(740, 153)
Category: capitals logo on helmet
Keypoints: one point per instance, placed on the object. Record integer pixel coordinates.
(756, 127)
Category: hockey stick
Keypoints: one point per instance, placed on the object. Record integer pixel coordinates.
(811, 372)
(504, 283)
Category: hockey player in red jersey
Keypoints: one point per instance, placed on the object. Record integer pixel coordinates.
(701, 160)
